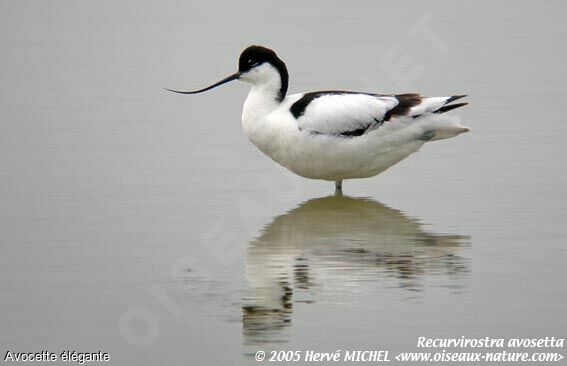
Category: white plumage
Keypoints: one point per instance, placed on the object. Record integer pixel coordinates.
(335, 135)
(337, 113)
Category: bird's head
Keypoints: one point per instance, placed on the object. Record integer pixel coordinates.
(257, 65)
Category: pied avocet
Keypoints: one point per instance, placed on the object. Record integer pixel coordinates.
(334, 135)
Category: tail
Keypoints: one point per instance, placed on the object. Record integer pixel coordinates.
(443, 126)
(436, 125)
(428, 113)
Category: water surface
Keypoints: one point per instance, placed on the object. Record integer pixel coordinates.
(144, 224)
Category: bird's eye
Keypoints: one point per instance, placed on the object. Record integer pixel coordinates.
(252, 62)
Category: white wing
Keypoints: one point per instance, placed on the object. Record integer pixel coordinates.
(342, 113)
(351, 114)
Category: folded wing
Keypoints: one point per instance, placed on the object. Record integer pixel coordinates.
(350, 114)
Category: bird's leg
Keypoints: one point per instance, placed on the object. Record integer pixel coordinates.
(338, 188)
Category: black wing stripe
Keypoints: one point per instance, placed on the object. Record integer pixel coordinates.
(454, 97)
(361, 131)
(355, 133)
(405, 103)
(447, 108)
(298, 108)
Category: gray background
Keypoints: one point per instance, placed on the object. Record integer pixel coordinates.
(116, 195)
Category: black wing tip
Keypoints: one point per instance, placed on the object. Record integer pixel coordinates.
(447, 108)
(455, 97)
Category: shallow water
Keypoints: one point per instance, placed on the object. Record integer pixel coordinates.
(144, 224)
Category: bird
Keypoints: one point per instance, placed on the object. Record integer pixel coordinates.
(334, 135)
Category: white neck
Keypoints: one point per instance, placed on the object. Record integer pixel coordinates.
(261, 100)
(260, 129)
(264, 96)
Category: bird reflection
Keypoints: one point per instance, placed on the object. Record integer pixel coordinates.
(338, 244)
